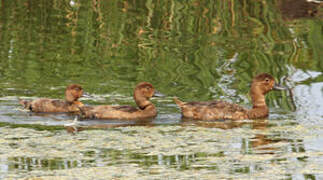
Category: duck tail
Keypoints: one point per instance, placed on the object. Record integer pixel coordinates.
(178, 102)
(26, 104)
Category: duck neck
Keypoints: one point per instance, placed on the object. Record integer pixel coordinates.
(258, 99)
(259, 108)
(142, 102)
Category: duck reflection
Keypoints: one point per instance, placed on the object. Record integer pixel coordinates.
(221, 124)
(260, 143)
(105, 124)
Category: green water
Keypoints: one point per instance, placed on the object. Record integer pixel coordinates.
(195, 50)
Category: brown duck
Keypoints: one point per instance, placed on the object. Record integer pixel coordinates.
(142, 93)
(215, 110)
(71, 104)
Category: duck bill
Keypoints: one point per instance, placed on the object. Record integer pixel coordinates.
(158, 94)
(279, 88)
(86, 95)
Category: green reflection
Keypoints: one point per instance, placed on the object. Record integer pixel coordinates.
(183, 48)
(110, 157)
(33, 126)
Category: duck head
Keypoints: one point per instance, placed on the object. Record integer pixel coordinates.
(73, 92)
(143, 92)
(260, 86)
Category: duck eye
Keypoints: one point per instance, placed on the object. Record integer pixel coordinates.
(267, 80)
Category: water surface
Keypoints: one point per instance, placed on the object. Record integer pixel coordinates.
(189, 49)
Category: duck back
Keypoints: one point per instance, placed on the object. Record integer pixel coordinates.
(117, 112)
(212, 110)
(50, 105)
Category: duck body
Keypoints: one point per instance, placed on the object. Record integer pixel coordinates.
(211, 110)
(118, 112)
(216, 110)
(51, 105)
(142, 93)
(71, 104)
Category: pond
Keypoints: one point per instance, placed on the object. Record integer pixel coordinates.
(187, 49)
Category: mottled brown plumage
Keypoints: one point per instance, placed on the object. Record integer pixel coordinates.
(142, 93)
(214, 110)
(71, 104)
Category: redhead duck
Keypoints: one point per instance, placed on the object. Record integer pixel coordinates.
(215, 110)
(72, 93)
(142, 93)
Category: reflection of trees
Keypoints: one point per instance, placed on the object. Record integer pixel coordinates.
(107, 157)
(184, 47)
(29, 164)
(293, 9)
(293, 12)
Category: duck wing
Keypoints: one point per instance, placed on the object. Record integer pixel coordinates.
(46, 105)
(108, 112)
(129, 109)
(213, 110)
